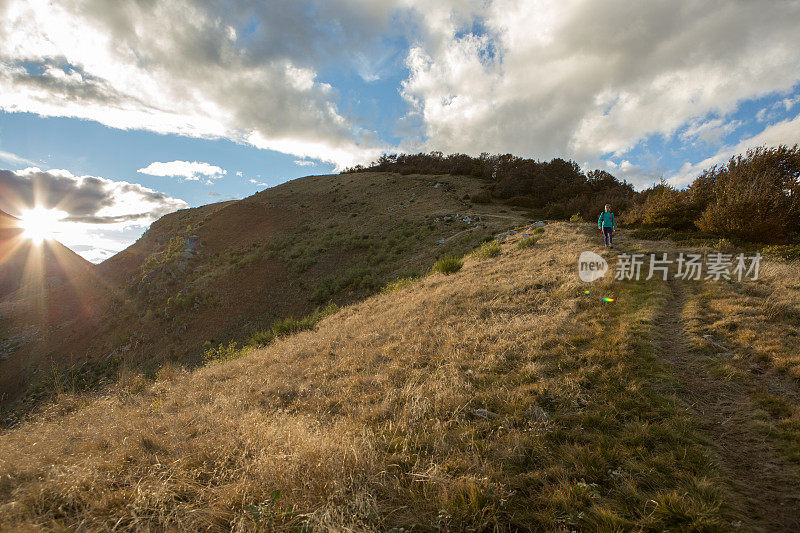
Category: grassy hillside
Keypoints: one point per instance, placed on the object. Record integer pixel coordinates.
(500, 396)
(203, 277)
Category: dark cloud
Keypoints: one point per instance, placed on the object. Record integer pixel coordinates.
(57, 77)
(82, 198)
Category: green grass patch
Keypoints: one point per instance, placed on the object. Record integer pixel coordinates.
(397, 285)
(487, 250)
(448, 265)
(291, 325)
(527, 242)
(223, 352)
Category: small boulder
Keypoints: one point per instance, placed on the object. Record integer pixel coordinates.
(484, 413)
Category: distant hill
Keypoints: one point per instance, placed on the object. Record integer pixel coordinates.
(26, 265)
(48, 296)
(218, 273)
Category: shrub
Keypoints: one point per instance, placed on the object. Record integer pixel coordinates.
(356, 278)
(527, 242)
(487, 250)
(755, 197)
(398, 284)
(290, 325)
(576, 218)
(163, 257)
(663, 206)
(787, 252)
(482, 197)
(448, 265)
(223, 353)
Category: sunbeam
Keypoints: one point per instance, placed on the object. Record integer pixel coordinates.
(40, 224)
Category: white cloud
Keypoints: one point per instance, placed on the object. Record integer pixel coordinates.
(542, 78)
(14, 159)
(584, 78)
(186, 67)
(302, 163)
(188, 170)
(785, 132)
(709, 131)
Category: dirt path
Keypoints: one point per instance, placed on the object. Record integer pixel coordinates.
(765, 483)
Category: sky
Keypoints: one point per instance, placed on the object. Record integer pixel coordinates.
(113, 114)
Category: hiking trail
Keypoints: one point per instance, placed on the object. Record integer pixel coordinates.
(763, 481)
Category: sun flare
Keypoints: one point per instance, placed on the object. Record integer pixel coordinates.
(41, 224)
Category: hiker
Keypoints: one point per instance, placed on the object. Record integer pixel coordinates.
(607, 225)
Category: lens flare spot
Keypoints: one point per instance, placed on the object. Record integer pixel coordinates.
(40, 224)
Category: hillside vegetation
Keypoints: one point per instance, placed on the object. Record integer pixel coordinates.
(754, 197)
(555, 189)
(497, 396)
(208, 276)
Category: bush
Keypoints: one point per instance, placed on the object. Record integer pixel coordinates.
(755, 197)
(527, 242)
(487, 250)
(483, 197)
(448, 265)
(290, 325)
(576, 218)
(223, 353)
(356, 278)
(398, 284)
(787, 252)
(663, 206)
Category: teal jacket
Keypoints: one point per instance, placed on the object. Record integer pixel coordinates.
(606, 220)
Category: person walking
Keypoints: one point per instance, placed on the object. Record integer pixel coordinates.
(607, 224)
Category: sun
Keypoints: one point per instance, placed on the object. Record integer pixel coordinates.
(40, 224)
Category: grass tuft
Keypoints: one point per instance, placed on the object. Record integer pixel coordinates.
(397, 285)
(487, 250)
(448, 265)
(291, 325)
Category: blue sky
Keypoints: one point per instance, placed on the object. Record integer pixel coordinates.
(125, 112)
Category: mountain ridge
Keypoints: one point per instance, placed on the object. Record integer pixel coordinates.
(218, 273)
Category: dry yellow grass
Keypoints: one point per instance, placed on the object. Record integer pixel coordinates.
(499, 397)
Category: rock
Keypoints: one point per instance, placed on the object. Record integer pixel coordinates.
(484, 413)
(440, 241)
(539, 223)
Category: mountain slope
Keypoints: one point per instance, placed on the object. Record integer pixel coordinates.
(218, 273)
(31, 267)
(499, 397)
(48, 295)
